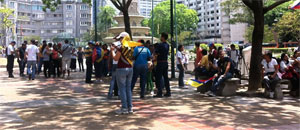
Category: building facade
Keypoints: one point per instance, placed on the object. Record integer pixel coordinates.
(213, 24)
(71, 16)
(145, 7)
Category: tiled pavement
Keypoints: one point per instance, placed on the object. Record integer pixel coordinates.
(71, 104)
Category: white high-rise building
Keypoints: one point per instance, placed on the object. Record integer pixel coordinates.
(213, 24)
(145, 7)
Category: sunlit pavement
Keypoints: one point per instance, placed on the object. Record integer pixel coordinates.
(72, 104)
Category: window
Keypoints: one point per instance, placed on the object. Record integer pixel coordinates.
(42, 31)
(54, 15)
(82, 31)
(69, 30)
(212, 31)
(69, 22)
(83, 15)
(84, 23)
(12, 4)
(212, 25)
(54, 31)
(212, 18)
(33, 31)
(69, 7)
(218, 24)
(48, 31)
(22, 6)
(83, 7)
(68, 15)
(54, 23)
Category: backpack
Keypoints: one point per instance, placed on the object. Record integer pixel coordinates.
(98, 55)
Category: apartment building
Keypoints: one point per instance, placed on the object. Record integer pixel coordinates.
(145, 7)
(213, 24)
(71, 16)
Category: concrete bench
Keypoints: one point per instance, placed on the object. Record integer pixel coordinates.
(229, 87)
(278, 93)
(285, 82)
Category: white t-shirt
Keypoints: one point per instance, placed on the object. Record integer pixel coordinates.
(283, 65)
(10, 48)
(269, 67)
(234, 55)
(179, 56)
(32, 51)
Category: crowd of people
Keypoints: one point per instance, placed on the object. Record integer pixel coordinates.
(57, 60)
(149, 62)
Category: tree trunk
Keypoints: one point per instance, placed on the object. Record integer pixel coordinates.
(127, 22)
(256, 54)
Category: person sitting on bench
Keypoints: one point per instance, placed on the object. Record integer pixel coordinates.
(269, 72)
(225, 71)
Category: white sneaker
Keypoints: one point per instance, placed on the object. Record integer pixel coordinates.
(185, 87)
(121, 111)
(210, 93)
(130, 111)
(152, 93)
(207, 93)
(271, 94)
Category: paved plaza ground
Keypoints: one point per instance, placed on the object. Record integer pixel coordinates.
(72, 104)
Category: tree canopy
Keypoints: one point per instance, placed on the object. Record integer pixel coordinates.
(105, 21)
(289, 26)
(186, 18)
(6, 21)
(268, 34)
(240, 13)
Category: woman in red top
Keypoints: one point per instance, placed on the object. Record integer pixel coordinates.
(124, 74)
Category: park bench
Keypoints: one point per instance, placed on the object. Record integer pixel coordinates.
(278, 92)
(229, 87)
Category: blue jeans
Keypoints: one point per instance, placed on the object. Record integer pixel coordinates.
(124, 77)
(31, 67)
(218, 81)
(113, 80)
(140, 70)
(181, 75)
(40, 64)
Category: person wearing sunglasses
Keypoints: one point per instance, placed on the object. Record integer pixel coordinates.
(270, 69)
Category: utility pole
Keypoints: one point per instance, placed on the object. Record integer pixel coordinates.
(172, 43)
(95, 19)
(152, 30)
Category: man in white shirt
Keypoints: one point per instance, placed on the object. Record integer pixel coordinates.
(66, 53)
(10, 58)
(234, 55)
(31, 54)
(180, 66)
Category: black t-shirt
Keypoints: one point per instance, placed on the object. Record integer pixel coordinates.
(79, 55)
(222, 63)
(21, 52)
(163, 51)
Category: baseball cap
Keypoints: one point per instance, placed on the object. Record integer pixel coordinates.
(91, 42)
(122, 34)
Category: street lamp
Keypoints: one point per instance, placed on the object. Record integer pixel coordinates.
(95, 19)
(152, 29)
(172, 42)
